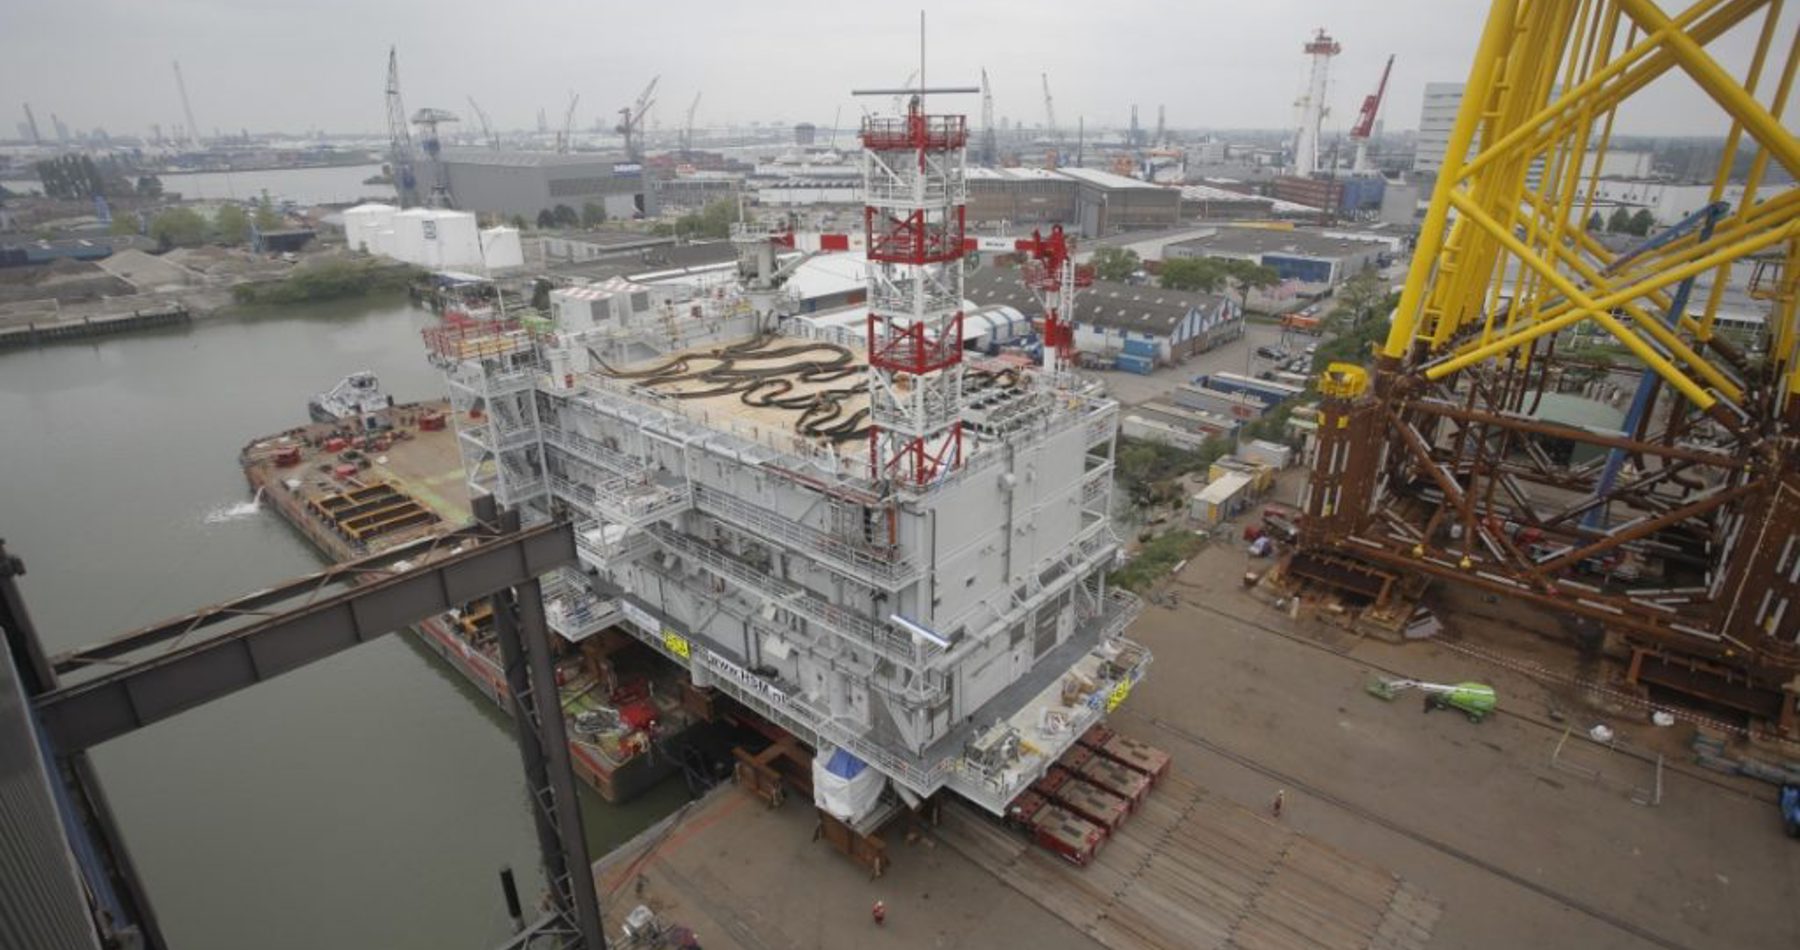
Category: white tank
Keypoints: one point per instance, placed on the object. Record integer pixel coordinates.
(363, 223)
(501, 248)
(409, 236)
(452, 241)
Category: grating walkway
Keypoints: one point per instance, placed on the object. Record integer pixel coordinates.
(1192, 870)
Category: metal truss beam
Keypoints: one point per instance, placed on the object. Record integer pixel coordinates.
(1521, 424)
(465, 566)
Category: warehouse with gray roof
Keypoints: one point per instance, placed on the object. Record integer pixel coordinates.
(1318, 261)
(1114, 318)
(509, 183)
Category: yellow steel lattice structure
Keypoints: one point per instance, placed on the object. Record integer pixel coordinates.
(1505, 257)
(1675, 533)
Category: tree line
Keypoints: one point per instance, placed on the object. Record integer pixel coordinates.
(1623, 221)
(78, 176)
(185, 227)
(1208, 275)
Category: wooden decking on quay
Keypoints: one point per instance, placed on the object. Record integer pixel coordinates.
(1192, 870)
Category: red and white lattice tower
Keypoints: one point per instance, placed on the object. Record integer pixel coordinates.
(1052, 277)
(914, 195)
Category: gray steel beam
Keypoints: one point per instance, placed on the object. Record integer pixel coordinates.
(112, 704)
(574, 890)
(260, 602)
(112, 878)
(536, 705)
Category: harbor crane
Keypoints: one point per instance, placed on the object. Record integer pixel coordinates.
(1050, 122)
(989, 138)
(565, 139)
(187, 108)
(687, 128)
(1365, 121)
(428, 120)
(487, 128)
(631, 122)
(400, 144)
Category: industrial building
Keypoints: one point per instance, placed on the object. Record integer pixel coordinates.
(1116, 318)
(514, 183)
(802, 192)
(1106, 203)
(1021, 198)
(1437, 114)
(1667, 201)
(1091, 202)
(1349, 194)
(599, 245)
(880, 547)
(693, 192)
(1317, 261)
(1205, 202)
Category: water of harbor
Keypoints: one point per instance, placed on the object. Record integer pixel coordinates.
(365, 801)
(307, 186)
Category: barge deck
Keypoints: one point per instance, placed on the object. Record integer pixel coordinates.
(351, 492)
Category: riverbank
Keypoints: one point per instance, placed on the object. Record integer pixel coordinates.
(201, 290)
(33, 334)
(333, 279)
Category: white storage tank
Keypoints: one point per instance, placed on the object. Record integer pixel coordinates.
(364, 223)
(451, 240)
(409, 235)
(502, 249)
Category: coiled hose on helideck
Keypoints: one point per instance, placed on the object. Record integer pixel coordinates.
(821, 412)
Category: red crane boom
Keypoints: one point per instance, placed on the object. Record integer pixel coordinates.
(1365, 120)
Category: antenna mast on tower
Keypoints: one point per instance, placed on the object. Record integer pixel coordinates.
(914, 193)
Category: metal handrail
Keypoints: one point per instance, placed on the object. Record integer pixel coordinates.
(796, 709)
(889, 643)
(890, 569)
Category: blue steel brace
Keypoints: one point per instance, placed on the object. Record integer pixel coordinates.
(1704, 219)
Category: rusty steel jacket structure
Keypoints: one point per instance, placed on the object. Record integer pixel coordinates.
(1432, 464)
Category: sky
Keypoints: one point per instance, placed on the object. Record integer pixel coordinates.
(282, 65)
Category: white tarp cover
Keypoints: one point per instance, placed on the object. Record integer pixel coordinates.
(844, 785)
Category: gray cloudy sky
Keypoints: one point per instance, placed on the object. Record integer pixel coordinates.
(298, 64)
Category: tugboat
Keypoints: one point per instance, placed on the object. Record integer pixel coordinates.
(354, 397)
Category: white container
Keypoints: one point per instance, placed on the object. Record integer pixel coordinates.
(1273, 454)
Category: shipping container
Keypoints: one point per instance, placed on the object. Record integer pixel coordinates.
(1141, 365)
(1268, 392)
